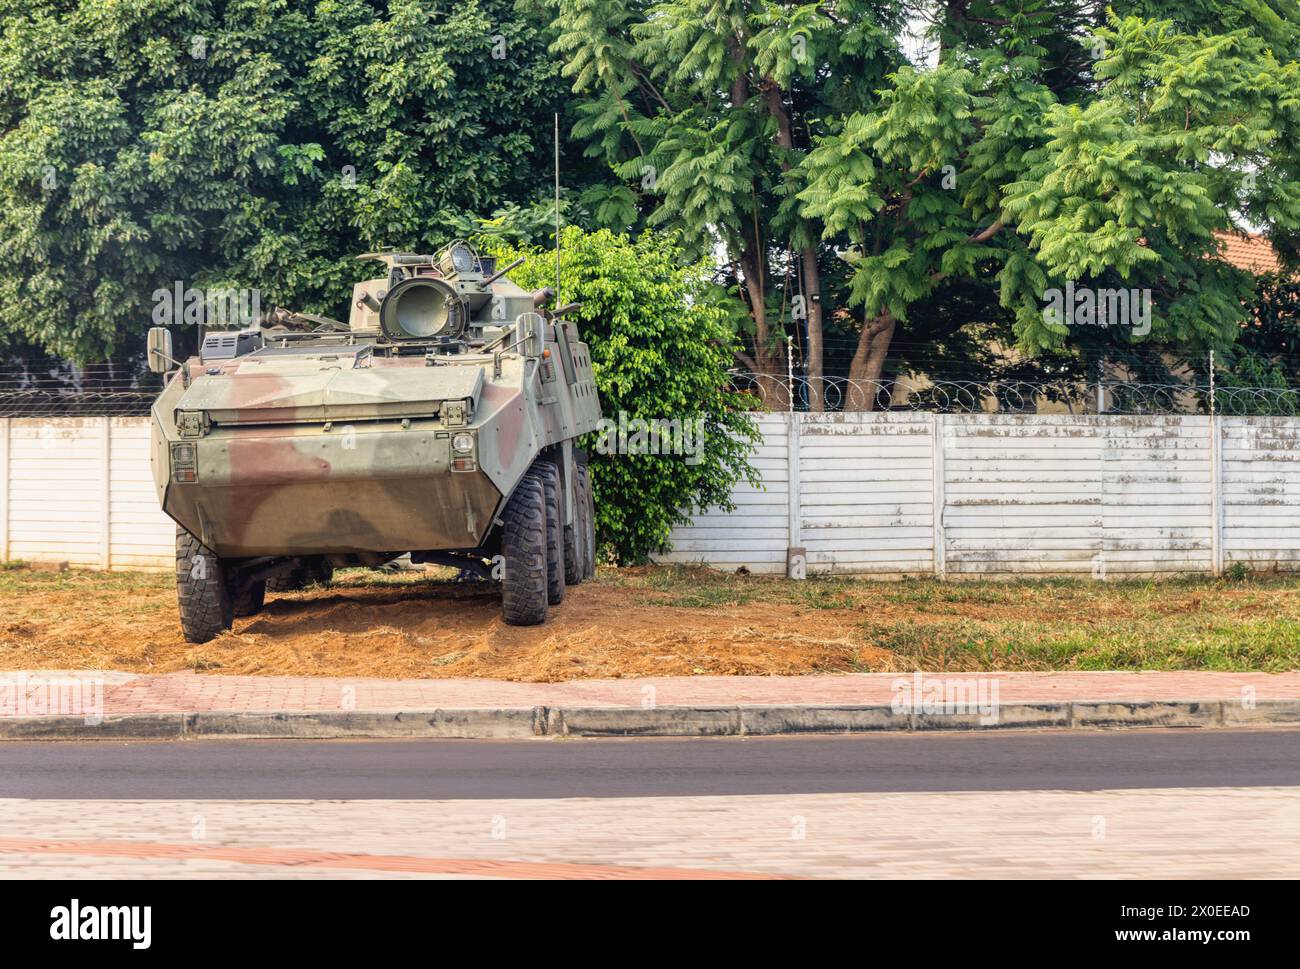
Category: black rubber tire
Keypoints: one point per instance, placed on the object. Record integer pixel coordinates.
(293, 581)
(589, 520)
(550, 477)
(248, 598)
(201, 590)
(523, 545)
(301, 577)
(580, 523)
(574, 546)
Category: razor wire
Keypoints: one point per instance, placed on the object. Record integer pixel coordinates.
(781, 392)
(98, 390)
(47, 403)
(125, 397)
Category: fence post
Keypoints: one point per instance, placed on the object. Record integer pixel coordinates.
(1216, 496)
(938, 424)
(106, 493)
(4, 488)
(789, 369)
(796, 556)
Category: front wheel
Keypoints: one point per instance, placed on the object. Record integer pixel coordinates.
(523, 546)
(550, 477)
(202, 590)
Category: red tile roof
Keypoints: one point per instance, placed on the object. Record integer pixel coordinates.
(1250, 251)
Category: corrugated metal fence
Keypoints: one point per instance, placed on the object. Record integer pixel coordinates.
(886, 493)
(964, 494)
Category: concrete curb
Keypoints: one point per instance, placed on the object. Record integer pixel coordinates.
(512, 723)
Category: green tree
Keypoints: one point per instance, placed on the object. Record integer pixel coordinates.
(705, 110)
(251, 144)
(1051, 143)
(1174, 132)
(660, 348)
(1188, 135)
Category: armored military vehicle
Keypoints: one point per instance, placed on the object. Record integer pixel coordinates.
(440, 420)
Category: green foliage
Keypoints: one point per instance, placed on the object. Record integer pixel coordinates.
(514, 224)
(1267, 356)
(1186, 130)
(704, 110)
(1237, 572)
(249, 143)
(660, 348)
(1041, 149)
(262, 143)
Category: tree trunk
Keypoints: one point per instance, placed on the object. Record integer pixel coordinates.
(769, 363)
(812, 278)
(869, 363)
(769, 360)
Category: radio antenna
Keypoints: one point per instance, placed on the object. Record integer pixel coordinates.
(558, 301)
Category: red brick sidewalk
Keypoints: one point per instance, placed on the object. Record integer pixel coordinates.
(299, 858)
(197, 693)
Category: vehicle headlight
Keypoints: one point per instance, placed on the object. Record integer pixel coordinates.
(459, 258)
(183, 463)
(463, 442)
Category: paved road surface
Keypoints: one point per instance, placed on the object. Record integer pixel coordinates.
(453, 769)
(1140, 804)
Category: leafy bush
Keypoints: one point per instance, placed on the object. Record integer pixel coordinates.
(660, 347)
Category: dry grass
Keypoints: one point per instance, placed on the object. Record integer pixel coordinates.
(661, 621)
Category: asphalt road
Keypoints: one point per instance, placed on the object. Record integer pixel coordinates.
(459, 769)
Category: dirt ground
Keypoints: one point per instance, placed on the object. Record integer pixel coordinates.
(415, 627)
(659, 621)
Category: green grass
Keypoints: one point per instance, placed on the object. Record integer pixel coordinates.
(1239, 622)
(1197, 642)
(18, 578)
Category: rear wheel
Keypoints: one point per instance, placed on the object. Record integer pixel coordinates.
(550, 477)
(523, 545)
(588, 521)
(574, 543)
(305, 573)
(292, 581)
(248, 598)
(201, 590)
(580, 524)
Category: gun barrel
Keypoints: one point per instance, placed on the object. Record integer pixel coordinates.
(501, 272)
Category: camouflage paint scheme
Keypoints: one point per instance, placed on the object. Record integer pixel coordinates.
(339, 441)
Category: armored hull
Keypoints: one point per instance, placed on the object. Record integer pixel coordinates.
(349, 445)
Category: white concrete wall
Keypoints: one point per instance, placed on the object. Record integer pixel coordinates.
(79, 490)
(1050, 494)
(1261, 485)
(1101, 496)
(755, 533)
(865, 502)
